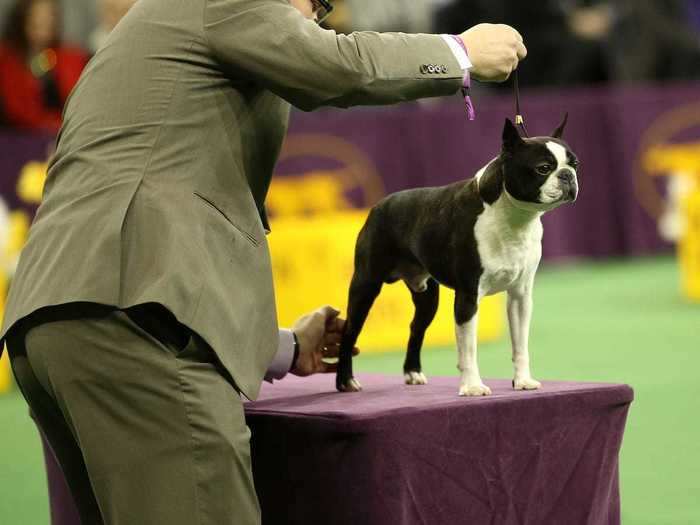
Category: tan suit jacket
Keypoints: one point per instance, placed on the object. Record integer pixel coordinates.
(156, 191)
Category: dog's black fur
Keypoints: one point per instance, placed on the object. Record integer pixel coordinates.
(431, 231)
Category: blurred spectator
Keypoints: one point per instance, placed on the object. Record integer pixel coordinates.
(38, 70)
(559, 52)
(592, 41)
(110, 12)
(655, 40)
(693, 9)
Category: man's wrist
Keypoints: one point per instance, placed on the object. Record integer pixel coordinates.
(459, 50)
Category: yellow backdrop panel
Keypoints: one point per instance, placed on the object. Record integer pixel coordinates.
(5, 374)
(312, 260)
(689, 245)
(5, 383)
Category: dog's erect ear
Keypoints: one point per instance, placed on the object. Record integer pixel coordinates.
(511, 137)
(560, 130)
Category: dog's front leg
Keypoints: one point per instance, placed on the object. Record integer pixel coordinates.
(519, 316)
(466, 320)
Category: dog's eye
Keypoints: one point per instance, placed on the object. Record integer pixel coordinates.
(544, 169)
(574, 164)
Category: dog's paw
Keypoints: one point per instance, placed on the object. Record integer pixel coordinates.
(351, 385)
(415, 378)
(526, 383)
(478, 389)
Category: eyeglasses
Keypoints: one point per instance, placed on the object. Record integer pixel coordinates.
(322, 9)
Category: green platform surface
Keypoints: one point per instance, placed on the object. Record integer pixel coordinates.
(621, 321)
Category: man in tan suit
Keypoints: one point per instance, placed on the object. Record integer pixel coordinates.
(143, 303)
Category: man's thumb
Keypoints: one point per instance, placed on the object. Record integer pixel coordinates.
(329, 312)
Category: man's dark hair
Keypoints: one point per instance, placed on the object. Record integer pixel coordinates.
(326, 5)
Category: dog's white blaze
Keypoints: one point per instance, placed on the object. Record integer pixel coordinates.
(559, 153)
(550, 191)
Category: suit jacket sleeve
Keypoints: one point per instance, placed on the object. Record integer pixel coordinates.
(270, 42)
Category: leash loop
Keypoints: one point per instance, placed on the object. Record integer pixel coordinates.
(519, 120)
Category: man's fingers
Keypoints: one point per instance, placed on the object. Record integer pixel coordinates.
(330, 317)
(328, 312)
(332, 338)
(502, 77)
(333, 350)
(517, 35)
(327, 368)
(521, 50)
(336, 324)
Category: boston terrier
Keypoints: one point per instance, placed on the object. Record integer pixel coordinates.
(479, 237)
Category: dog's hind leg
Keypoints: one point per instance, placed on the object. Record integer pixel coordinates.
(426, 304)
(362, 295)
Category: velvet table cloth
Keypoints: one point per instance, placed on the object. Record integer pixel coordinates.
(421, 455)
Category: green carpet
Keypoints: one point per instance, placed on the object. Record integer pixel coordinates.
(23, 493)
(621, 321)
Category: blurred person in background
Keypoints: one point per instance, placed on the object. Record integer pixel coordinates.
(655, 40)
(110, 12)
(143, 308)
(566, 38)
(692, 8)
(574, 42)
(38, 69)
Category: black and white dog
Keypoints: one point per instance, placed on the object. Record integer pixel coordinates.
(479, 237)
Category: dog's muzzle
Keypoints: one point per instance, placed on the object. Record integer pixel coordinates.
(568, 185)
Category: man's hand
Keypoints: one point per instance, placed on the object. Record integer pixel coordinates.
(494, 50)
(319, 335)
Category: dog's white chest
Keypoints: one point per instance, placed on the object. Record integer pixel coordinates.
(509, 254)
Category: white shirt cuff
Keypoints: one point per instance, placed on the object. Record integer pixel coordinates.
(458, 52)
(282, 362)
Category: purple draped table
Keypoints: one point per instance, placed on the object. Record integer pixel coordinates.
(402, 455)
(399, 455)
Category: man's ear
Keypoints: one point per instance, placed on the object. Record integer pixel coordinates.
(511, 136)
(560, 130)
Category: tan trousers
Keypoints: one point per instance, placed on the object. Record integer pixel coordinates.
(146, 432)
